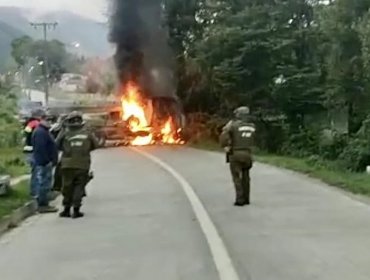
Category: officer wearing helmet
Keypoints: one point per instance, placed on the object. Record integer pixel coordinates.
(237, 140)
(76, 144)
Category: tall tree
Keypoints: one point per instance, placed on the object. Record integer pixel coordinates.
(341, 22)
(26, 50)
(21, 48)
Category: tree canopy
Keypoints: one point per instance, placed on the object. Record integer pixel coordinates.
(28, 52)
(306, 60)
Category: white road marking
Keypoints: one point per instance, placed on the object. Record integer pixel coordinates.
(221, 257)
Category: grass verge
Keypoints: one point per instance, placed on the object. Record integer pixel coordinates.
(13, 162)
(328, 172)
(17, 197)
(207, 145)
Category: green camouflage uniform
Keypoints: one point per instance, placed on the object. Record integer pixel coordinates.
(76, 144)
(238, 136)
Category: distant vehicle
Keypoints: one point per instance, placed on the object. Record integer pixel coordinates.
(108, 127)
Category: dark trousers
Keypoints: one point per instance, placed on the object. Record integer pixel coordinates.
(74, 182)
(58, 180)
(43, 183)
(241, 178)
(33, 181)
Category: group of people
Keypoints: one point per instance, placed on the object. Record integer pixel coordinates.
(74, 142)
(69, 150)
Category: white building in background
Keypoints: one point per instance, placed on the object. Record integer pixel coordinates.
(36, 96)
(71, 82)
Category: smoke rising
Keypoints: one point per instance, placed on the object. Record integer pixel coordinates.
(142, 51)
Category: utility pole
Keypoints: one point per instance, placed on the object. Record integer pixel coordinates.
(45, 27)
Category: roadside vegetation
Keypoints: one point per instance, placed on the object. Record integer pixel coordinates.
(11, 158)
(16, 198)
(301, 66)
(29, 54)
(12, 161)
(327, 171)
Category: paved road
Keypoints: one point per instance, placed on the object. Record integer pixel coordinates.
(140, 224)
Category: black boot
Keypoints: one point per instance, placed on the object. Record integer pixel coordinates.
(66, 213)
(77, 213)
(238, 203)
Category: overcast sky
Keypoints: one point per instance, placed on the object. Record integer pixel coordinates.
(89, 8)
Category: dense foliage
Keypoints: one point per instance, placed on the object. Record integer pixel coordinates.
(301, 65)
(10, 132)
(10, 135)
(29, 54)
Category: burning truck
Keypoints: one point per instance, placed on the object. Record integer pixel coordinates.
(136, 119)
(151, 120)
(145, 70)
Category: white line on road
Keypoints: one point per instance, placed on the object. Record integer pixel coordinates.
(221, 257)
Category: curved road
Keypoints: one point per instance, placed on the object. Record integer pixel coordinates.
(144, 221)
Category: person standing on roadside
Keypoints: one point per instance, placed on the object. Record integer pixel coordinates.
(31, 125)
(45, 156)
(76, 144)
(237, 140)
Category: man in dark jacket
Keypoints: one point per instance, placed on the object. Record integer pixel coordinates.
(45, 155)
(30, 127)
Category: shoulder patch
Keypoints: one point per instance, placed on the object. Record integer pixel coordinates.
(247, 128)
(79, 137)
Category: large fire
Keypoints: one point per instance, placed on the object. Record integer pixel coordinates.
(136, 112)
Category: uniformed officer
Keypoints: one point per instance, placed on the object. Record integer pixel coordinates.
(76, 144)
(237, 140)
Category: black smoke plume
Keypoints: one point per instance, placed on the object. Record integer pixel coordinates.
(142, 51)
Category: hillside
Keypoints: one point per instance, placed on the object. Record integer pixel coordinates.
(7, 34)
(91, 35)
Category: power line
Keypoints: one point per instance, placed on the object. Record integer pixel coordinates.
(45, 27)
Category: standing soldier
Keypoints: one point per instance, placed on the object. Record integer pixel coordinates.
(76, 144)
(237, 140)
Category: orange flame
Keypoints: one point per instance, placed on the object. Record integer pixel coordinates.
(134, 112)
(168, 133)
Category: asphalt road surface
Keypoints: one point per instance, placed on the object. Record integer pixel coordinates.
(165, 213)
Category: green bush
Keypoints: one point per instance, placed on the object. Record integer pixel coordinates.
(270, 136)
(356, 156)
(304, 143)
(13, 162)
(10, 130)
(333, 148)
(2, 168)
(10, 135)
